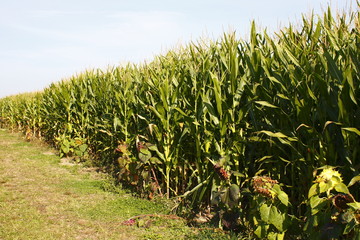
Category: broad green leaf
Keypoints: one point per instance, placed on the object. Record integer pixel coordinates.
(316, 203)
(144, 157)
(281, 195)
(354, 180)
(65, 148)
(152, 147)
(78, 153)
(323, 187)
(276, 218)
(264, 212)
(83, 147)
(340, 187)
(155, 160)
(275, 236)
(145, 151)
(355, 206)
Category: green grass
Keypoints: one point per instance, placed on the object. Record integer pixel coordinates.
(41, 199)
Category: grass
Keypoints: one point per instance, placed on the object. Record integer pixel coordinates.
(42, 199)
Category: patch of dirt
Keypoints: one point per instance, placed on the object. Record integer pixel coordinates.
(67, 162)
(49, 153)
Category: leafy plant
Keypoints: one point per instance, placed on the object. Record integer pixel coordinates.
(270, 209)
(72, 147)
(333, 212)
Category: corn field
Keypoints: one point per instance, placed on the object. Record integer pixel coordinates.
(214, 113)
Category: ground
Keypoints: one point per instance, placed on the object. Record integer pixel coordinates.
(45, 197)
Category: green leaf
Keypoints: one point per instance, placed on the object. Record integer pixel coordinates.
(311, 94)
(78, 153)
(324, 187)
(155, 161)
(217, 92)
(354, 206)
(317, 32)
(292, 58)
(145, 151)
(281, 195)
(316, 204)
(265, 212)
(65, 147)
(280, 95)
(263, 158)
(261, 230)
(253, 34)
(144, 157)
(237, 174)
(354, 180)
(276, 218)
(181, 111)
(340, 187)
(302, 125)
(354, 130)
(331, 122)
(274, 80)
(313, 190)
(274, 134)
(275, 236)
(83, 147)
(153, 147)
(333, 68)
(156, 112)
(266, 104)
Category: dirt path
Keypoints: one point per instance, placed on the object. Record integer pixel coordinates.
(41, 198)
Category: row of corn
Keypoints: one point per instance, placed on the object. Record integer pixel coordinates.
(213, 113)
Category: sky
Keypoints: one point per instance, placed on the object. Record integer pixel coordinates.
(44, 41)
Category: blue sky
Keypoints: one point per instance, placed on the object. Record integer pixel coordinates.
(44, 41)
